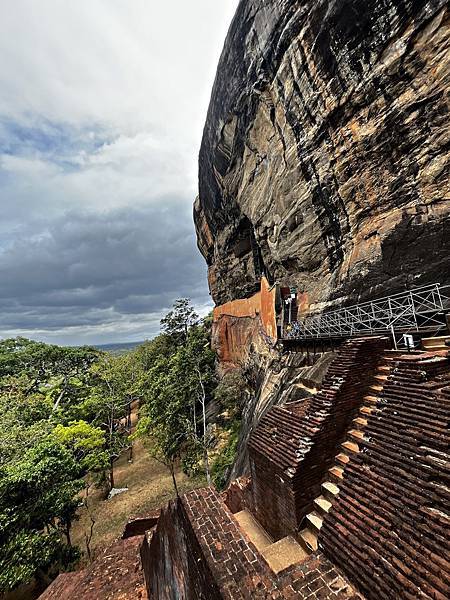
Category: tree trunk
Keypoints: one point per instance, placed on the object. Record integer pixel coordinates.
(111, 473)
(55, 406)
(88, 539)
(174, 480)
(206, 460)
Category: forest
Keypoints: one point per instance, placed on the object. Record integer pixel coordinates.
(65, 419)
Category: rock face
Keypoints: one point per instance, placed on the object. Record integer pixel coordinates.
(276, 379)
(324, 160)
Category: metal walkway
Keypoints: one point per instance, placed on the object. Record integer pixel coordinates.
(420, 309)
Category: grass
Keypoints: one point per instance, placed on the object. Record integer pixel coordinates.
(149, 487)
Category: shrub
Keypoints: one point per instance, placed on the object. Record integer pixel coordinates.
(223, 463)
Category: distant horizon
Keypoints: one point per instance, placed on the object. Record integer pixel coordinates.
(94, 345)
(202, 311)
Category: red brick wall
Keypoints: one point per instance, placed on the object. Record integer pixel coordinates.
(174, 564)
(199, 551)
(294, 445)
(389, 526)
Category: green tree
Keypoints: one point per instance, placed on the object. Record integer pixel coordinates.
(179, 384)
(41, 361)
(37, 507)
(24, 417)
(119, 383)
(179, 320)
(86, 443)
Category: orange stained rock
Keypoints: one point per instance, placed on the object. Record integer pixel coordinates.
(303, 303)
(268, 316)
(262, 303)
(247, 307)
(240, 322)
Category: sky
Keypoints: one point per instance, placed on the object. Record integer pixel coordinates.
(102, 107)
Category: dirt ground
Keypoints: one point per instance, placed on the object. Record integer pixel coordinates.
(149, 487)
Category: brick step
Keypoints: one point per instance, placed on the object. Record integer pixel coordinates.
(314, 521)
(247, 522)
(342, 459)
(308, 539)
(370, 399)
(330, 490)
(366, 410)
(336, 474)
(284, 553)
(390, 360)
(322, 505)
(356, 435)
(381, 378)
(375, 389)
(360, 422)
(350, 447)
(387, 362)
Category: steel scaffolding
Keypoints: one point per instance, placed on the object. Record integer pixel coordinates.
(420, 309)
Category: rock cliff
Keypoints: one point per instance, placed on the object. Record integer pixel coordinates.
(324, 160)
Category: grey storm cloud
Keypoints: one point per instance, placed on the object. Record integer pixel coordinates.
(88, 268)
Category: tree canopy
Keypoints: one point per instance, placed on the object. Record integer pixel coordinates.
(65, 417)
(54, 432)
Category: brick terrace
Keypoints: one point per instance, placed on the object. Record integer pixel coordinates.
(238, 568)
(116, 575)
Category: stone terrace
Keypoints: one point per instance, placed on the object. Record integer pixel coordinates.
(294, 445)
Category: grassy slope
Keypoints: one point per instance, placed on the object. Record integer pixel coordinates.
(150, 486)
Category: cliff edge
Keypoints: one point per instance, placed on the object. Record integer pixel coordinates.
(324, 160)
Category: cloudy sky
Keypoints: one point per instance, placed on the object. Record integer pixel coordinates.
(102, 105)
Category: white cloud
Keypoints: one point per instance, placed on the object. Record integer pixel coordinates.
(102, 105)
(120, 62)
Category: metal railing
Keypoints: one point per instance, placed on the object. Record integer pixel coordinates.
(418, 309)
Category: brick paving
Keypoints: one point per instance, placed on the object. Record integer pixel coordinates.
(116, 575)
(239, 569)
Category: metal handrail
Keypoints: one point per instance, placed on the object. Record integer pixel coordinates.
(404, 311)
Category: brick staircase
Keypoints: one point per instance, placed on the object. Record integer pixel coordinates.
(308, 537)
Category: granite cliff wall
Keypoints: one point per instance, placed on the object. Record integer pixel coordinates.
(324, 160)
